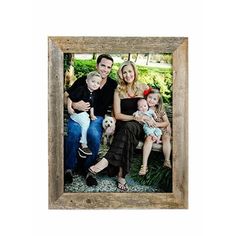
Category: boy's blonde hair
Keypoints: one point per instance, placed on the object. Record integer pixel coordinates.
(92, 74)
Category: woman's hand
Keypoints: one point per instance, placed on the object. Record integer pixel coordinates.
(81, 105)
(139, 119)
(142, 119)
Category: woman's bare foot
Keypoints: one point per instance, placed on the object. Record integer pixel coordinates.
(122, 185)
(99, 166)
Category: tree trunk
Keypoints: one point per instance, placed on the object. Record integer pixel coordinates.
(69, 69)
(94, 56)
(148, 57)
(129, 56)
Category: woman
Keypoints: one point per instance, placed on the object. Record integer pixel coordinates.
(129, 129)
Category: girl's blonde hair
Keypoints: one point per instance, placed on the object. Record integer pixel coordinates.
(160, 106)
(122, 87)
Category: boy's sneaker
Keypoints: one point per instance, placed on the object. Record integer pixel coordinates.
(85, 151)
(81, 154)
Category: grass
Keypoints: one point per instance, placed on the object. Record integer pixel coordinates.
(157, 175)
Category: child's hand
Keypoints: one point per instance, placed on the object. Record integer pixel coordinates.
(93, 117)
(151, 123)
(155, 117)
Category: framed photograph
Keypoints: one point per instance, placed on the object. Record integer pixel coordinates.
(177, 47)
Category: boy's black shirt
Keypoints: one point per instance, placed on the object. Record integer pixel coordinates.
(104, 96)
(82, 93)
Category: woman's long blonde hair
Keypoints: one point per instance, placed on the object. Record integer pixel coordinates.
(122, 87)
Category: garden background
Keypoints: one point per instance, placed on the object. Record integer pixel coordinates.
(156, 71)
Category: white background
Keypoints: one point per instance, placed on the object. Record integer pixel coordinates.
(25, 26)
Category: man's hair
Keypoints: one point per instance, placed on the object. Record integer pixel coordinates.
(106, 56)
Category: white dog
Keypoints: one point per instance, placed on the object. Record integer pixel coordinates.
(109, 126)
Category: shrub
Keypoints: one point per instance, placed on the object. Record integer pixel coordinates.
(155, 77)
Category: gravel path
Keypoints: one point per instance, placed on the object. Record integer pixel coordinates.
(106, 184)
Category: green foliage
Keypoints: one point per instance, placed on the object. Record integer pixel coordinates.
(114, 70)
(157, 175)
(83, 67)
(155, 77)
(158, 78)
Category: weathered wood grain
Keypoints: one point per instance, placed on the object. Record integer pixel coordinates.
(180, 122)
(55, 122)
(176, 45)
(117, 44)
(117, 201)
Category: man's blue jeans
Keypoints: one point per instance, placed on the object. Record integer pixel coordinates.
(72, 142)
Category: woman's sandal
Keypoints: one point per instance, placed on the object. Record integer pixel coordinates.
(122, 185)
(99, 166)
(143, 170)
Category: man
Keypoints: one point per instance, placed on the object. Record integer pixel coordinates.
(104, 100)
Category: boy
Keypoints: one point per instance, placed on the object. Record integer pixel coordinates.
(85, 93)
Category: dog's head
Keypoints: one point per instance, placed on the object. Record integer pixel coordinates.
(108, 123)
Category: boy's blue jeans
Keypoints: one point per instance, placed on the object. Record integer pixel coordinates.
(94, 136)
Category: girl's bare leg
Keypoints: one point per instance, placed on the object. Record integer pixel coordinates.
(166, 150)
(147, 147)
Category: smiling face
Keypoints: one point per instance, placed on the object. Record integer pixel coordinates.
(128, 74)
(104, 67)
(93, 83)
(152, 99)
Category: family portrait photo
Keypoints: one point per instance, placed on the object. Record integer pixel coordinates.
(116, 108)
(146, 87)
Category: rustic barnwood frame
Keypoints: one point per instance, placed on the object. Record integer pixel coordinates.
(57, 46)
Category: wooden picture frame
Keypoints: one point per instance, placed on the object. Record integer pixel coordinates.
(58, 199)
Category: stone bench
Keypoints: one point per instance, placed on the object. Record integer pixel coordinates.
(156, 147)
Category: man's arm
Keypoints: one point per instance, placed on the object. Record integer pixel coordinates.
(66, 95)
(69, 106)
(81, 105)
